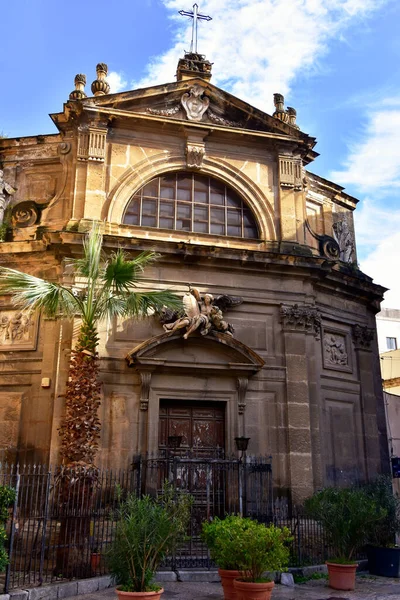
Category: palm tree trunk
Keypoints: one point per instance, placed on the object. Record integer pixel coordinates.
(79, 443)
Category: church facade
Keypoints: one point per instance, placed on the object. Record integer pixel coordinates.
(286, 353)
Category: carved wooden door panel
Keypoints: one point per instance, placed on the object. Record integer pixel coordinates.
(202, 427)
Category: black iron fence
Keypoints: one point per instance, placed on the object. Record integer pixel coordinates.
(62, 523)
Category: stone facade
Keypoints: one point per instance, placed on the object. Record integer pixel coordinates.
(300, 376)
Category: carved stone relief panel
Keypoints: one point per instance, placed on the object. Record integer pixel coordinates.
(335, 350)
(18, 330)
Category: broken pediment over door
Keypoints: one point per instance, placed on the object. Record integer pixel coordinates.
(216, 352)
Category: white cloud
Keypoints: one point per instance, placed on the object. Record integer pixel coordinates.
(259, 46)
(116, 81)
(374, 161)
(378, 241)
(382, 266)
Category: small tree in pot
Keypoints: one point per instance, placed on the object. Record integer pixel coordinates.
(382, 551)
(147, 531)
(222, 537)
(262, 549)
(347, 516)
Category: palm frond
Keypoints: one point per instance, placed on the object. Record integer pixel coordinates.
(32, 292)
(110, 307)
(141, 304)
(121, 274)
(89, 265)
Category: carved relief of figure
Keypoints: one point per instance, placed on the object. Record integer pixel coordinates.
(201, 313)
(335, 350)
(15, 328)
(5, 192)
(345, 240)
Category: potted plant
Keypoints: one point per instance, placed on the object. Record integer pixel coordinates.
(256, 548)
(95, 558)
(346, 516)
(147, 530)
(382, 552)
(222, 537)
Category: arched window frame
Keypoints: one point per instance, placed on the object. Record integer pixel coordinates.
(186, 201)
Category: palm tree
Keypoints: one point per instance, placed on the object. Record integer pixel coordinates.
(102, 288)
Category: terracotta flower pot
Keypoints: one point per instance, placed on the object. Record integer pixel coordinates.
(227, 578)
(95, 558)
(253, 591)
(139, 595)
(342, 577)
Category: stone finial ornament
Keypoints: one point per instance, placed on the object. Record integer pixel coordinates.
(79, 92)
(286, 116)
(100, 86)
(292, 113)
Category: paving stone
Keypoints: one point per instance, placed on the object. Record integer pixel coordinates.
(68, 589)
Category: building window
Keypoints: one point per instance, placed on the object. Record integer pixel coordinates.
(191, 202)
(391, 343)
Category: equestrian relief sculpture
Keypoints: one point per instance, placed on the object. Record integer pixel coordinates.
(202, 313)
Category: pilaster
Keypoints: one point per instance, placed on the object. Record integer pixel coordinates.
(298, 322)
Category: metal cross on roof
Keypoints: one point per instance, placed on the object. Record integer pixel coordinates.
(196, 16)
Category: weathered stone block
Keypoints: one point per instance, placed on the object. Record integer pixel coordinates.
(287, 579)
(104, 582)
(88, 586)
(67, 590)
(47, 591)
(166, 576)
(193, 575)
(18, 595)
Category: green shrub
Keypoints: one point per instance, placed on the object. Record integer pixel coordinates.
(221, 537)
(347, 517)
(384, 532)
(147, 530)
(7, 497)
(263, 549)
(243, 544)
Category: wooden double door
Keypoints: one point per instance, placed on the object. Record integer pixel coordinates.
(200, 424)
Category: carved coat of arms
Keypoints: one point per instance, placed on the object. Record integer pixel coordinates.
(195, 106)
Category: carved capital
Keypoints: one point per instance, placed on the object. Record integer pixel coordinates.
(363, 337)
(145, 377)
(306, 319)
(241, 384)
(195, 153)
(290, 172)
(92, 144)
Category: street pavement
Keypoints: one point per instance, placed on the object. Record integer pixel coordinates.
(367, 588)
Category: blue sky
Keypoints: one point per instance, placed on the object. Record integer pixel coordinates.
(336, 61)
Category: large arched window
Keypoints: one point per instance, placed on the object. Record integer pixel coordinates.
(191, 202)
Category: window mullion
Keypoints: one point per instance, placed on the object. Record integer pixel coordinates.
(141, 207)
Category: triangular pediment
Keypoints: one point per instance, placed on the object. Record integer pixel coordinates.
(192, 101)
